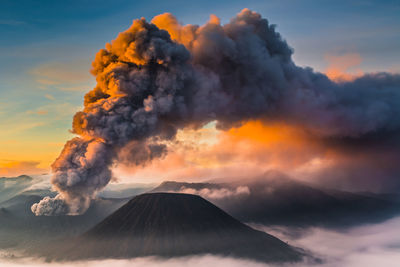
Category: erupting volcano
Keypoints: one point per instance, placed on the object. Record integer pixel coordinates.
(158, 77)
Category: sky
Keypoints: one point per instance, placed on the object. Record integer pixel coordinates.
(47, 48)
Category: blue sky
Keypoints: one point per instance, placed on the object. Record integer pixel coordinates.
(46, 48)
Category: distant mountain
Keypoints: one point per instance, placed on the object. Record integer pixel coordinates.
(168, 224)
(11, 186)
(283, 201)
(21, 229)
(21, 178)
(124, 190)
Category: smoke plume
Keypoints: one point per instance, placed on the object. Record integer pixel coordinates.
(161, 76)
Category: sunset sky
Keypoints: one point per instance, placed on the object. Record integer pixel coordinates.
(47, 48)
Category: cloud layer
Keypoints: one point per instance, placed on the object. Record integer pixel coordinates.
(370, 245)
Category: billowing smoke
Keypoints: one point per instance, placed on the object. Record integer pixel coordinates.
(160, 76)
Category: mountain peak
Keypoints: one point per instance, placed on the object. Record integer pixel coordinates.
(174, 224)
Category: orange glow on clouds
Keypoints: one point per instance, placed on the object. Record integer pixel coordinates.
(27, 157)
(15, 168)
(251, 149)
(342, 68)
(269, 134)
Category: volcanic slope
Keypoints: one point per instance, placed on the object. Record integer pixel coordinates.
(171, 224)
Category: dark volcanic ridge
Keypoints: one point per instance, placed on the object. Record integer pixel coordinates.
(283, 201)
(21, 230)
(170, 225)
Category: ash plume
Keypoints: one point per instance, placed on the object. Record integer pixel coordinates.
(161, 76)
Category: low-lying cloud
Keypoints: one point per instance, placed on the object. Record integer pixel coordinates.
(369, 245)
(216, 193)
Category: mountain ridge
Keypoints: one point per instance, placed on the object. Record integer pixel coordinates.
(283, 201)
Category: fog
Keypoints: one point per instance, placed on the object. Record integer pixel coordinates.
(369, 245)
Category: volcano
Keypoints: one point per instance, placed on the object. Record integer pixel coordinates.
(172, 224)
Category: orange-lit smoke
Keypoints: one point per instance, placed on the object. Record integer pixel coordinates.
(184, 34)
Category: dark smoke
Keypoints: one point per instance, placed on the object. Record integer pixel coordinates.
(149, 86)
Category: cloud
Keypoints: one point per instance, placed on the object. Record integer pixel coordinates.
(18, 126)
(207, 153)
(38, 112)
(371, 245)
(19, 122)
(41, 182)
(375, 170)
(216, 193)
(256, 147)
(66, 75)
(35, 135)
(15, 168)
(343, 67)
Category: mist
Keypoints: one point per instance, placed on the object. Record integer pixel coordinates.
(368, 245)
